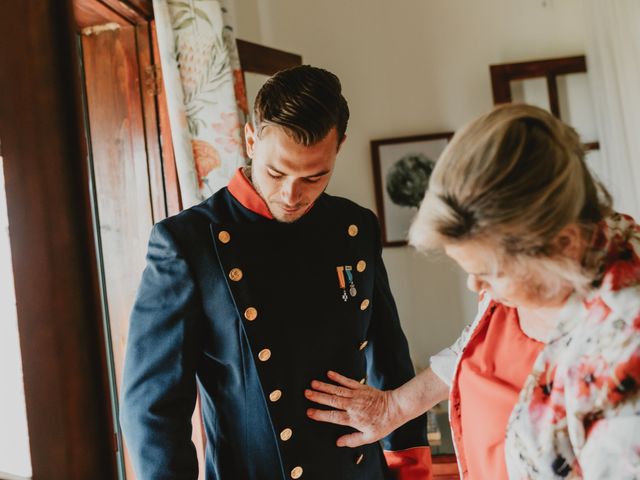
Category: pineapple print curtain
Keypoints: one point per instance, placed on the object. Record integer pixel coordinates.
(205, 93)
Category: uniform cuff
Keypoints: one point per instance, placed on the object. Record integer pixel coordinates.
(410, 464)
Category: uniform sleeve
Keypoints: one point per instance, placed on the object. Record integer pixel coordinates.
(389, 366)
(410, 464)
(159, 385)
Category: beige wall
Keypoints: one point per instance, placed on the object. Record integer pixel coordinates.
(411, 67)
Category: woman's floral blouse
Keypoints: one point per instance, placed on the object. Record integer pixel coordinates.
(578, 415)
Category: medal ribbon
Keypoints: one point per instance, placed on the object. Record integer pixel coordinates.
(341, 282)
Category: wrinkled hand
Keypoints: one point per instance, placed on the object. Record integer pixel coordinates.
(368, 410)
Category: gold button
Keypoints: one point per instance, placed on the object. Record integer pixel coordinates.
(286, 434)
(235, 274)
(251, 314)
(296, 472)
(363, 381)
(363, 345)
(364, 304)
(361, 266)
(264, 355)
(224, 236)
(275, 395)
(353, 230)
(360, 459)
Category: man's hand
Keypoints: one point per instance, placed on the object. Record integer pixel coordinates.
(374, 413)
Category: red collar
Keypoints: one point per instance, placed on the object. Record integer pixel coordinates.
(243, 191)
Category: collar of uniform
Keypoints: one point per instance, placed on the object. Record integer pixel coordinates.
(243, 191)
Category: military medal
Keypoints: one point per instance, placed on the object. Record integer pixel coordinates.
(341, 283)
(352, 286)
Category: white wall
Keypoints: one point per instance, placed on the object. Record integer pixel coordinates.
(413, 67)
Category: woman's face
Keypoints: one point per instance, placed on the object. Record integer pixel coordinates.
(506, 281)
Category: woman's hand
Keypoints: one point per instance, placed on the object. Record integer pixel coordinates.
(372, 412)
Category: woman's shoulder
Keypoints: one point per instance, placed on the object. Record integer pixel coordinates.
(598, 362)
(616, 248)
(612, 309)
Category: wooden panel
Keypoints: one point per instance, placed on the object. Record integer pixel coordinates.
(257, 58)
(120, 165)
(56, 282)
(136, 11)
(172, 187)
(149, 87)
(119, 153)
(144, 7)
(89, 13)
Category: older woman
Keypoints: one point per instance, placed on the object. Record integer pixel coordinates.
(553, 357)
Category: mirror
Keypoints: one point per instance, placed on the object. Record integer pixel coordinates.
(533, 91)
(576, 105)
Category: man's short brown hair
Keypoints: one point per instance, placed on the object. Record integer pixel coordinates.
(306, 101)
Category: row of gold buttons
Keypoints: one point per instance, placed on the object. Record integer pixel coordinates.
(360, 267)
(251, 314)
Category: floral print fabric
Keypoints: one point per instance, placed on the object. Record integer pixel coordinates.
(205, 93)
(578, 415)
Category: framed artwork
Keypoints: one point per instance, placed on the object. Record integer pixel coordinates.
(401, 171)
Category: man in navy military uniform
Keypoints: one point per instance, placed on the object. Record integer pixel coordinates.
(250, 295)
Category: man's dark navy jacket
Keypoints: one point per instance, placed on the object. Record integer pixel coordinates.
(249, 310)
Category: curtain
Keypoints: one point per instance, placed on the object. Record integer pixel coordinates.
(205, 93)
(613, 62)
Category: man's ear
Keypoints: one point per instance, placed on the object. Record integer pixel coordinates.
(570, 242)
(249, 139)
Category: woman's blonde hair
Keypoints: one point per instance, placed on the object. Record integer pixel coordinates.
(514, 178)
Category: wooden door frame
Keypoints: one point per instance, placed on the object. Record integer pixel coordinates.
(52, 244)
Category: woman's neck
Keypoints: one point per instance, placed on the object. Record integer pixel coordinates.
(538, 323)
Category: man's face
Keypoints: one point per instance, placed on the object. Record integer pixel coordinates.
(287, 175)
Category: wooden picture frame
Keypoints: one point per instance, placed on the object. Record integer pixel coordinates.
(401, 166)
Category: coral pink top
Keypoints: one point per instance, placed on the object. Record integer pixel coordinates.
(492, 370)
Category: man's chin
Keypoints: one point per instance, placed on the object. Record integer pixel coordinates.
(285, 217)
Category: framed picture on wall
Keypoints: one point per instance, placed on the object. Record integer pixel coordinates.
(401, 170)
